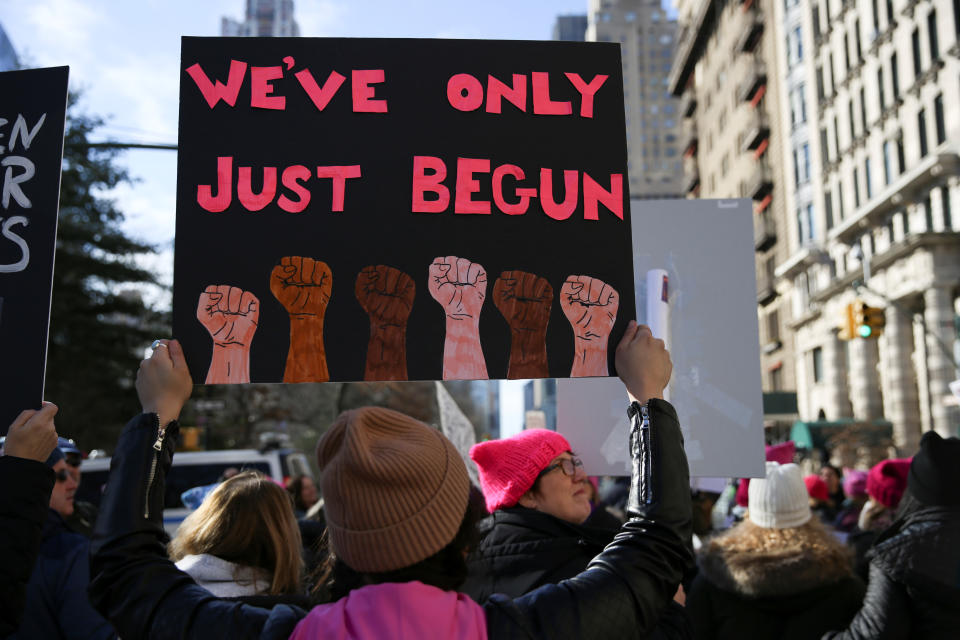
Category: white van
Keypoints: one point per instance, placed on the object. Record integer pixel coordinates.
(196, 468)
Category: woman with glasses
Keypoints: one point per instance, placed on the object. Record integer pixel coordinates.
(538, 495)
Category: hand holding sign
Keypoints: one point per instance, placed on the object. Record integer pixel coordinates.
(386, 294)
(643, 363)
(524, 299)
(230, 315)
(303, 286)
(591, 307)
(460, 286)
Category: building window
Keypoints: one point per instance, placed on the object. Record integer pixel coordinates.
(880, 94)
(938, 116)
(806, 161)
(945, 205)
(895, 77)
(887, 162)
(922, 132)
(833, 74)
(863, 110)
(917, 64)
(815, 13)
(928, 213)
(932, 35)
(868, 177)
(840, 201)
(828, 207)
(846, 51)
(856, 188)
(850, 116)
(817, 356)
(876, 16)
(820, 94)
(856, 38)
(836, 136)
(824, 151)
(901, 164)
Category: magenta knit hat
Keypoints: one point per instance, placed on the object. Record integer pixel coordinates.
(854, 482)
(887, 481)
(509, 467)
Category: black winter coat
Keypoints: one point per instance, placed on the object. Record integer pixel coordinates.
(914, 588)
(522, 549)
(790, 593)
(25, 487)
(622, 593)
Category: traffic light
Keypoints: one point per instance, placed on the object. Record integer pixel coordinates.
(868, 321)
(847, 325)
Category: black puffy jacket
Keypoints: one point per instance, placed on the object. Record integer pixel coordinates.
(522, 549)
(622, 594)
(914, 588)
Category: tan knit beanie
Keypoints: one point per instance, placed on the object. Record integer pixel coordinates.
(394, 489)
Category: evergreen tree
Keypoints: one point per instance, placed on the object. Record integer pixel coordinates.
(99, 325)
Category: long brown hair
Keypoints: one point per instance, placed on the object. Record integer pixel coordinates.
(247, 520)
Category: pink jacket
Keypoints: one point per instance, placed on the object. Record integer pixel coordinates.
(410, 610)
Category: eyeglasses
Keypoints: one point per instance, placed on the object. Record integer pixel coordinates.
(62, 475)
(569, 467)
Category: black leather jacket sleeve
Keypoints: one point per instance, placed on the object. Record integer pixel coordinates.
(626, 588)
(885, 613)
(133, 583)
(25, 487)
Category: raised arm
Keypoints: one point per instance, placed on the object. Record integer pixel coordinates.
(133, 583)
(625, 590)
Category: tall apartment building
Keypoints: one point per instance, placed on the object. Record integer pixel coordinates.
(8, 56)
(572, 28)
(647, 37)
(726, 76)
(263, 18)
(884, 195)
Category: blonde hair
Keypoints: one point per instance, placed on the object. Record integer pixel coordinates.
(247, 520)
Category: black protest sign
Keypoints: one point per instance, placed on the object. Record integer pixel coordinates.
(353, 209)
(33, 107)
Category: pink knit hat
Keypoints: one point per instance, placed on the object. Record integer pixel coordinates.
(887, 481)
(816, 487)
(509, 467)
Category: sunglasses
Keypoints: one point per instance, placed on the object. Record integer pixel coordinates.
(62, 475)
(569, 467)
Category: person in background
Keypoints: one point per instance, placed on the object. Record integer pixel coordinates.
(26, 484)
(833, 478)
(819, 496)
(243, 542)
(855, 488)
(777, 574)
(601, 516)
(538, 497)
(886, 482)
(914, 588)
(396, 501)
(56, 599)
(84, 513)
(304, 492)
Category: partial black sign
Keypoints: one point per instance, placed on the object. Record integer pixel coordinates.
(33, 107)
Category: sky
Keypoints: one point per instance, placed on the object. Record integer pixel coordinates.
(124, 56)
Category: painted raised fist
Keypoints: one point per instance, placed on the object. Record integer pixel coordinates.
(591, 307)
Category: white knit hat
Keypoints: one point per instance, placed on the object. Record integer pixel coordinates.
(780, 500)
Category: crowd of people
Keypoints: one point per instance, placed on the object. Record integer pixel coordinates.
(397, 542)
